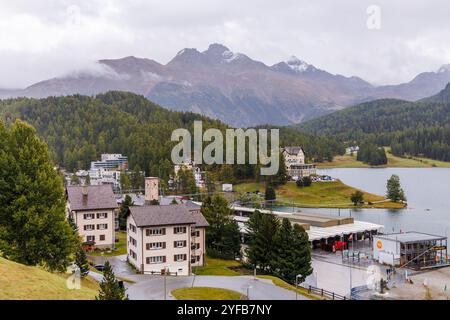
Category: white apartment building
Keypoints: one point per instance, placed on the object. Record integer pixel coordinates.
(166, 239)
(94, 211)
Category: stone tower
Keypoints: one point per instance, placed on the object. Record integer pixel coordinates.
(151, 189)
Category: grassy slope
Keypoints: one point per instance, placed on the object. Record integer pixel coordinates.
(205, 293)
(218, 267)
(333, 194)
(348, 161)
(20, 282)
(121, 247)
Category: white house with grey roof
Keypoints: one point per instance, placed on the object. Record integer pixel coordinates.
(94, 211)
(166, 239)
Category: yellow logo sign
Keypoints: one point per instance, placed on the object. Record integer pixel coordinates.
(379, 244)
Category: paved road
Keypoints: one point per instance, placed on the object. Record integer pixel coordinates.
(152, 287)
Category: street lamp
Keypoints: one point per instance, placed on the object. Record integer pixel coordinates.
(248, 292)
(296, 285)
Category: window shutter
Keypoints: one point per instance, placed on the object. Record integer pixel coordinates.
(164, 245)
(184, 243)
(163, 231)
(164, 258)
(147, 246)
(174, 244)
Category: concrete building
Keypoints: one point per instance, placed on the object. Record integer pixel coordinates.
(414, 249)
(166, 239)
(95, 212)
(111, 161)
(294, 160)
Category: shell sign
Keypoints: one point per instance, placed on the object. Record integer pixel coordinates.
(379, 244)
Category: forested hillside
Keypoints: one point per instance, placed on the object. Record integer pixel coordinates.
(410, 128)
(79, 128)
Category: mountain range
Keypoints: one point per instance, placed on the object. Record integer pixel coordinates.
(234, 88)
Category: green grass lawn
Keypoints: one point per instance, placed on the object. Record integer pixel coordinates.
(333, 194)
(205, 293)
(218, 267)
(20, 282)
(348, 161)
(121, 247)
(283, 284)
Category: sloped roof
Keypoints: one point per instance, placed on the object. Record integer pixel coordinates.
(293, 150)
(98, 197)
(149, 215)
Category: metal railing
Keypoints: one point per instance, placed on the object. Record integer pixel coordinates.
(325, 293)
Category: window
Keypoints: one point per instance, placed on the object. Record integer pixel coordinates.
(132, 228)
(179, 257)
(157, 259)
(133, 254)
(179, 230)
(195, 246)
(102, 237)
(88, 216)
(133, 241)
(90, 238)
(195, 233)
(155, 245)
(179, 244)
(102, 215)
(155, 232)
(195, 259)
(102, 226)
(89, 227)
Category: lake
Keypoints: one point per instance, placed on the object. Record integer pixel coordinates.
(427, 191)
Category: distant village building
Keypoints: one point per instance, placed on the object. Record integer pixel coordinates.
(94, 210)
(199, 175)
(351, 150)
(294, 160)
(111, 161)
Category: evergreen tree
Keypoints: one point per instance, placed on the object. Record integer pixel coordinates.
(394, 190)
(261, 232)
(281, 177)
(137, 178)
(125, 182)
(270, 193)
(87, 180)
(110, 288)
(33, 226)
(123, 211)
(186, 182)
(174, 201)
(222, 236)
(357, 197)
(82, 262)
(283, 263)
(301, 255)
(299, 183)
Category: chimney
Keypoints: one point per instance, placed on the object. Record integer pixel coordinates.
(84, 191)
(151, 189)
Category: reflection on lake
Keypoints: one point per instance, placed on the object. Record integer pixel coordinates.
(427, 190)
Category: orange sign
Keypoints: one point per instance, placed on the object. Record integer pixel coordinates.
(379, 244)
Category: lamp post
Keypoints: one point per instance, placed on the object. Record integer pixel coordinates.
(296, 285)
(165, 283)
(248, 292)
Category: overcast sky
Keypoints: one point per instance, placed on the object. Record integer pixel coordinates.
(40, 39)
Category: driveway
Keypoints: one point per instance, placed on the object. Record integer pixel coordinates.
(149, 287)
(118, 263)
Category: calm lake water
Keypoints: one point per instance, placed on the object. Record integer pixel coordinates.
(427, 190)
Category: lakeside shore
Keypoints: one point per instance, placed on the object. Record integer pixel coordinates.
(333, 194)
(349, 161)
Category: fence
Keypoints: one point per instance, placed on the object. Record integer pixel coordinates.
(161, 273)
(325, 293)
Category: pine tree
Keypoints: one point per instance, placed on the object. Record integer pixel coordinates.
(301, 255)
(110, 288)
(123, 211)
(270, 193)
(283, 262)
(82, 262)
(394, 190)
(33, 226)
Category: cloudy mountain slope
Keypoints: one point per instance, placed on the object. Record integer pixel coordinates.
(233, 87)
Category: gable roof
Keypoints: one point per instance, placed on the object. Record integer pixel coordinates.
(293, 150)
(173, 214)
(98, 197)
